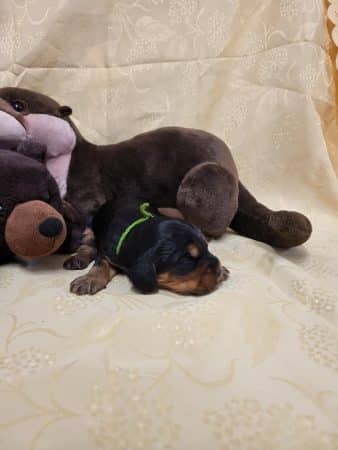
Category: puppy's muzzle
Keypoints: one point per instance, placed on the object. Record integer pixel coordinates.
(211, 277)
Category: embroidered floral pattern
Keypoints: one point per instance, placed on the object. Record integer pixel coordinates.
(316, 298)
(181, 11)
(290, 8)
(320, 343)
(248, 424)
(186, 326)
(125, 415)
(284, 133)
(24, 361)
(309, 76)
(271, 64)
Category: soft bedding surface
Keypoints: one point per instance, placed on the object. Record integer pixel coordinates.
(252, 366)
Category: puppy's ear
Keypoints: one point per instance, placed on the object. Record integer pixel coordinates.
(143, 276)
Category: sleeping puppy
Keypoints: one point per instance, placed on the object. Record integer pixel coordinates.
(152, 250)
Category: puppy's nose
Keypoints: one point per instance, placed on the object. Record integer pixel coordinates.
(51, 227)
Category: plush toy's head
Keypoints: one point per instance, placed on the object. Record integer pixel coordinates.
(34, 229)
(28, 115)
(30, 224)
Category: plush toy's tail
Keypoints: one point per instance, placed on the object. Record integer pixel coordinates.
(283, 229)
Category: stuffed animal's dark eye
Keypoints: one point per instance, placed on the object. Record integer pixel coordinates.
(18, 105)
(2, 209)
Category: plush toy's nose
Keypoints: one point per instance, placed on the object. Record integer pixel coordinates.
(34, 229)
(51, 227)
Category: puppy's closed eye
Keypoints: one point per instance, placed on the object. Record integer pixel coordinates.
(184, 264)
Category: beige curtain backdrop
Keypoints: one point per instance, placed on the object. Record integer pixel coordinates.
(253, 366)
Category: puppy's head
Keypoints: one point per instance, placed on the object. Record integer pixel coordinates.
(180, 261)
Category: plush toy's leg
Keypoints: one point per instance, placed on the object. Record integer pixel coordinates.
(207, 197)
(283, 229)
(85, 254)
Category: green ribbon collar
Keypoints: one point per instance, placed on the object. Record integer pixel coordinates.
(146, 215)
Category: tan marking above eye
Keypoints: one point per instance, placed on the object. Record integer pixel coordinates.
(194, 251)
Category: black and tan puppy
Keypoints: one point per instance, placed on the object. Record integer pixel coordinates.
(154, 251)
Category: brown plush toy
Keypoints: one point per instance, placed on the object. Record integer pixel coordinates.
(30, 224)
(187, 169)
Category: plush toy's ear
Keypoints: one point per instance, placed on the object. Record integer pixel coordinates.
(65, 111)
(143, 276)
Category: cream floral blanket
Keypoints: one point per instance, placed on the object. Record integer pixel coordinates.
(253, 366)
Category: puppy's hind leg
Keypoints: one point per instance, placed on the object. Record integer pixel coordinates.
(85, 254)
(95, 280)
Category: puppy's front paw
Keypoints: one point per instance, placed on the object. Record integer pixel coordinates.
(76, 262)
(86, 285)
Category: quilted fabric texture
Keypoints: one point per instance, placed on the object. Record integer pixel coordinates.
(252, 366)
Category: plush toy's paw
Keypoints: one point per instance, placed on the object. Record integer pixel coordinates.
(289, 229)
(76, 262)
(207, 197)
(87, 285)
